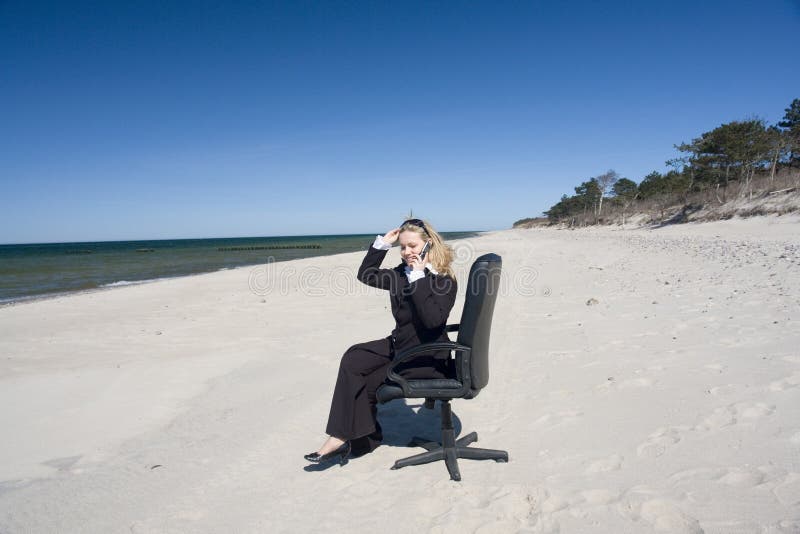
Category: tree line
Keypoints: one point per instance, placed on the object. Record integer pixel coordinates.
(717, 166)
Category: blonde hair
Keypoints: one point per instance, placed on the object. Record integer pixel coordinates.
(440, 255)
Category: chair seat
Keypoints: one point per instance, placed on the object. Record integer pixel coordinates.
(389, 392)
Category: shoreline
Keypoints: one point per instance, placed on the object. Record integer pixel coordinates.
(108, 287)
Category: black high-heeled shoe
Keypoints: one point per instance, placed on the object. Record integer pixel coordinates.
(342, 452)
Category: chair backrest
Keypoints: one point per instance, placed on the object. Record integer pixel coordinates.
(476, 318)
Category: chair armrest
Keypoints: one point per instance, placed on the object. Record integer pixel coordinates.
(452, 327)
(413, 352)
(461, 373)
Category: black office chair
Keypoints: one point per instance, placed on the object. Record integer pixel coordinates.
(472, 372)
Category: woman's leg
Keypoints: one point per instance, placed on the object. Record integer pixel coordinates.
(362, 371)
(353, 413)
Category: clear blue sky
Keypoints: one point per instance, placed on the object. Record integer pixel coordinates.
(148, 120)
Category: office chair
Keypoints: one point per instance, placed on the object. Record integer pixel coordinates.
(472, 372)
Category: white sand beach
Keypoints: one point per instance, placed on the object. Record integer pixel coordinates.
(643, 380)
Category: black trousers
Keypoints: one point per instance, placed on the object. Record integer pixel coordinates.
(353, 414)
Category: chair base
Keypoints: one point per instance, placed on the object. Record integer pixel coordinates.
(450, 449)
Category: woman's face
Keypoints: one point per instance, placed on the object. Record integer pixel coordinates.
(411, 244)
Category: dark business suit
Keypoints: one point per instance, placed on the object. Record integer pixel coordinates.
(420, 310)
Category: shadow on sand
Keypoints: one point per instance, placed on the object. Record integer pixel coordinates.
(401, 423)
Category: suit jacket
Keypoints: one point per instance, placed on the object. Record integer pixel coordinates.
(420, 308)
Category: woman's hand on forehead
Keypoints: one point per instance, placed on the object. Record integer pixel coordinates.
(391, 236)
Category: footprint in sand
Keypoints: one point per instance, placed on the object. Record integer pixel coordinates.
(559, 418)
(734, 413)
(719, 418)
(788, 492)
(666, 516)
(612, 463)
(753, 411)
(785, 383)
(490, 509)
(739, 477)
(641, 504)
(658, 442)
(725, 389)
(636, 383)
(599, 497)
(742, 477)
(697, 474)
(576, 504)
(630, 383)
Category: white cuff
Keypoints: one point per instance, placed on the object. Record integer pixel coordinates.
(413, 276)
(380, 244)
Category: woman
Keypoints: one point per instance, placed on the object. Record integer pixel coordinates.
(422, 290)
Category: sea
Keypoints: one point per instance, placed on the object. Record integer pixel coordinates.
(44, 270)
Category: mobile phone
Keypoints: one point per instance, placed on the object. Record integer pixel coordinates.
(424, 251)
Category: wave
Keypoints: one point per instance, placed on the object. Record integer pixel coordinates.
(126, 283)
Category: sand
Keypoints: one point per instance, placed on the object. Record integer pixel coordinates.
(642, 380)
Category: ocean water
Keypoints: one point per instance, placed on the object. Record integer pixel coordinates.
(39, 270)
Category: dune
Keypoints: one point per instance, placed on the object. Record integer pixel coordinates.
(642, 380)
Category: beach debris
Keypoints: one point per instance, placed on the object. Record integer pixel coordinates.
(158, 332)
(592, 301)
(156, 466)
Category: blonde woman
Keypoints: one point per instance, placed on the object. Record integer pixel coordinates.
(422, 289)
